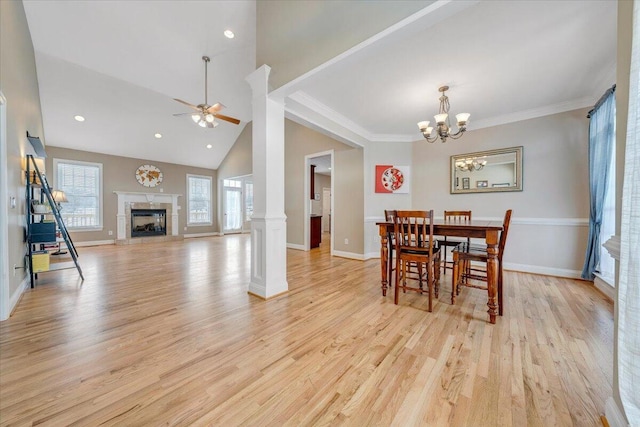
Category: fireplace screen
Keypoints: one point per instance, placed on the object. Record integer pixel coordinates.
(148, 222)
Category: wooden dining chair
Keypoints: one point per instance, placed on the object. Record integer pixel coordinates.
(389, 216)
(464, 271)
(414, 245)
(459, 217)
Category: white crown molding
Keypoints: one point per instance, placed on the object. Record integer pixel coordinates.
(532, 113)
(333, 116)
(330, 129)
(326, 112)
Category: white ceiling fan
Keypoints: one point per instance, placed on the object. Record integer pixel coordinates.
(206, 115)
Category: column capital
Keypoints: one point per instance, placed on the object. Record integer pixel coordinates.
(259, 81)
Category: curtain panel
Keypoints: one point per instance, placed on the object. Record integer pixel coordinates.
(602, 134)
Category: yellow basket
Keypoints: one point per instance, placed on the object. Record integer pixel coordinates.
(40, 262)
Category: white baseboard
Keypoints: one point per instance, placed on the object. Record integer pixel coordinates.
(547, 271)
(15, 298)
(295, 246)
(605, 288)
(372, 255)
(94, 243)
(193, 235)
(350, 255)
(614, 414)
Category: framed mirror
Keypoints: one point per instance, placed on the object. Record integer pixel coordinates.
(487, 171)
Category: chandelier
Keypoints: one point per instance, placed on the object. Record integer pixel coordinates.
(470, 165)
(443, 128)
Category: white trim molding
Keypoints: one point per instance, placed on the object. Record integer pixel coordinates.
(15, 298)
(133, 197)
(614, 414)
(295, 246)
(95, 243)
(196, 235)
(350, 255)
(546, 271)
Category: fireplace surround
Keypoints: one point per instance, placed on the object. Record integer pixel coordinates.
(135, 200)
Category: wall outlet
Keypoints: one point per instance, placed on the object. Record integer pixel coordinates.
(346, 241)
(15, 267)
(110, 233)
(162, 190)
(185, 229)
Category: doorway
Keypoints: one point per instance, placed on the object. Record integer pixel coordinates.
(318, 197)
(237, 204)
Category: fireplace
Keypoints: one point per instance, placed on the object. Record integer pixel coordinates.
(148, 222)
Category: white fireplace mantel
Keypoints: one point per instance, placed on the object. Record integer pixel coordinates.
(125, 197)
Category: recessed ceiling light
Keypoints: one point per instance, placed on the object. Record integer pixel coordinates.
(158, 135)
(79, 118)
(229, 34)
(209, 146)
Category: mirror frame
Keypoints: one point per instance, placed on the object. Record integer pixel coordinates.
(518, 164)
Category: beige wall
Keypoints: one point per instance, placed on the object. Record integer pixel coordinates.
(554, 205)
(300, 142)
(286, 29)
(238, 161)
(19, 85)
(119, 175)
(349, 201)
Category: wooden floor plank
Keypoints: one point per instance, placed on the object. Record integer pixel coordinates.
(166, 333)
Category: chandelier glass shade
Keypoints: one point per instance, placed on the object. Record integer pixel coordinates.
(470, 165)
(443, 127)
(204, 120)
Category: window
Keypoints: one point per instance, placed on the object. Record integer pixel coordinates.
(82, 184)
(248, 200)
(607, 266)
(199, 200)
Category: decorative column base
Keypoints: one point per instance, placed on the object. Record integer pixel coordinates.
(268, 257)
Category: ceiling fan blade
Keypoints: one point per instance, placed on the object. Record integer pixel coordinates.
(215, 108)
(186, 103)
(227, 119)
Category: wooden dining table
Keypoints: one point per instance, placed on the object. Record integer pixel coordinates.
(487, 230)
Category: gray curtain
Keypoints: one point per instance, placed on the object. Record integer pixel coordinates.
(602, 134)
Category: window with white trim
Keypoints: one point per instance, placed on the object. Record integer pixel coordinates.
(199, 200)
(82, 184)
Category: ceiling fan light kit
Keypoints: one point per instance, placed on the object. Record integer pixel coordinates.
(443, 127)
(206, 115)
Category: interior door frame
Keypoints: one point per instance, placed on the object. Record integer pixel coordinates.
(222, 202)
(224, 209)
(307, 197)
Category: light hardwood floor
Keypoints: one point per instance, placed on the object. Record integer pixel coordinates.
(166, 334)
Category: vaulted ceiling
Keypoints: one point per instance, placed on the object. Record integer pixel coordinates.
(119, 64)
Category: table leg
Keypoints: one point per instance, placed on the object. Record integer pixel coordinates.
(384, 255)
(492, 273)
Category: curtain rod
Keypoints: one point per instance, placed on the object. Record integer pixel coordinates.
(601, 100)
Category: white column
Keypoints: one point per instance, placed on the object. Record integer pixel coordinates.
(268, 223)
